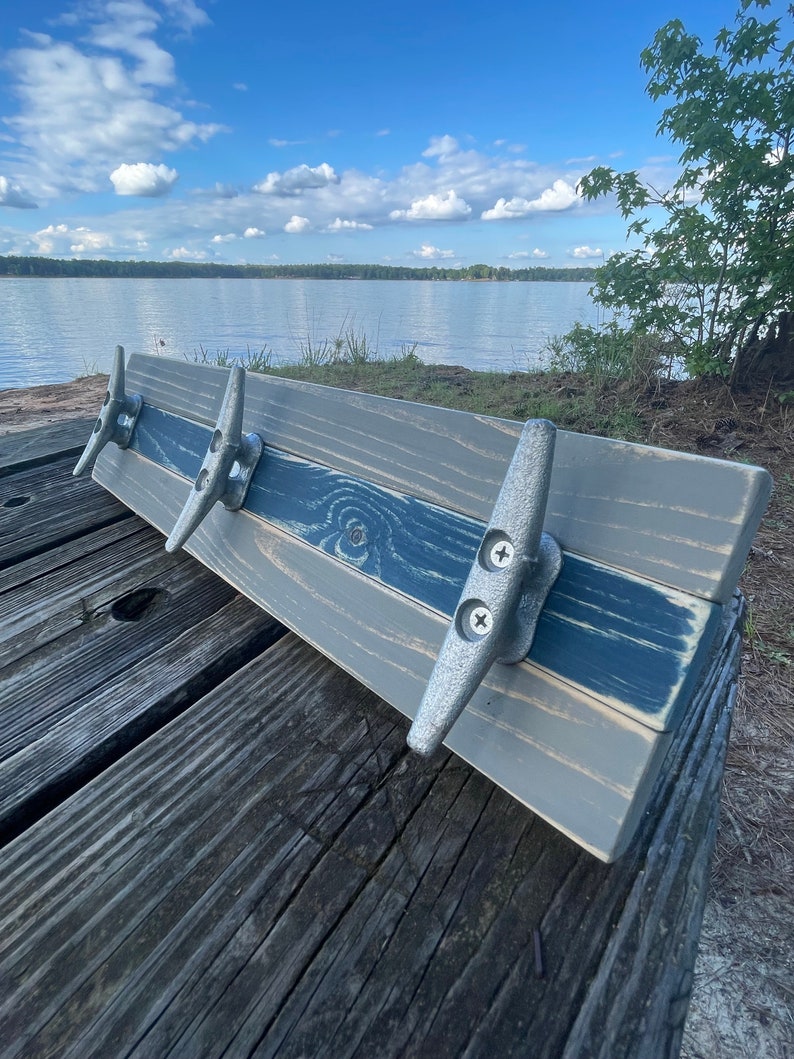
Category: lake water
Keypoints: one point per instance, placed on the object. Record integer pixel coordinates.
(52, 330)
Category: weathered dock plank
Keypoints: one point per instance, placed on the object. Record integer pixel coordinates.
(58, 590)
(30, 448)
(39, 511)
(274, 874)
(112, 637)
(103, 639)
(63, 748)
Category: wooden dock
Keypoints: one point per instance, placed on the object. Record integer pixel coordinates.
(217, 843)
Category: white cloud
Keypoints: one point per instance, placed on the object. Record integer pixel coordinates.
(504, 209)
(187, 14)
(89, 242)
(181, 253)
(523, 255)
(144, 179)
(295, 225)
(57, 238)
(85, 103)
(46, 238)
(228, 238)
(128, 31)
(294, 181)
(254, 233)
(432, 253)
(13, 195)
(339, 225)
(445, 207)
(560, 196)
(441, 147)
(240, 86)
(586, 252)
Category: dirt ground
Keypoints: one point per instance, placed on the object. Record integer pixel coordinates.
(743, 999)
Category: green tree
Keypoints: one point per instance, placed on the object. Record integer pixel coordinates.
(716, 279)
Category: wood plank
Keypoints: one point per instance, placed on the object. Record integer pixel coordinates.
(45, 604)
(559, 750)
(275, 875)
(224, 784)
(43, 510)
(118, 535)
(145, 613)
(682, 520)
(670, 890)
(632, 643)
(32, 448)
(61, 752)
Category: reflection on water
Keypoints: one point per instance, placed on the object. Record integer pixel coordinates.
(52, 330)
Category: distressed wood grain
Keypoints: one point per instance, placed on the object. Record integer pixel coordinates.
(636, 645)
(685, 521)
(35, 447)
(146, 608)
(57, 753)
(274, 875)
(557, 748)
(37, 595)
(38, 511)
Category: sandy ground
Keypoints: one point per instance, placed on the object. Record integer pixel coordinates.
(40, 405)
(743, 999)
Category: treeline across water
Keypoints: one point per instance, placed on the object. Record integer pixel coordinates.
(53, 267)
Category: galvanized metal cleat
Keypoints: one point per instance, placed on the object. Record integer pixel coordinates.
(117, 417)
(496, 618)
(228, 466)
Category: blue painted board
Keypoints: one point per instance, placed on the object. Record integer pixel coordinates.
(636, 645)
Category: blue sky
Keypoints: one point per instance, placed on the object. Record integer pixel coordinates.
(412, 133)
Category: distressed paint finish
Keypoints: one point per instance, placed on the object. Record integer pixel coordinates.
(585, 767)
(684, 521)
(634, 644)
(358, 533)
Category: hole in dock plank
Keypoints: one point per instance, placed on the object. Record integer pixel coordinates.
(133, 605)
(143, 702)
(16, 501)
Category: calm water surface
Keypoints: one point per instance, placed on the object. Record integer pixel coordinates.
(52, 330)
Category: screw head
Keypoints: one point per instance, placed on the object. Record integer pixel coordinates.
(501, 554)
(480, 620)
